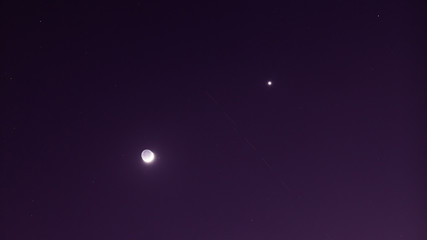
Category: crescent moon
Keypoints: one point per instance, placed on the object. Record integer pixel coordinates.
(147, 156)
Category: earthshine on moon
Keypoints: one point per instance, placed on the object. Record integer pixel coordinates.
(147, 156)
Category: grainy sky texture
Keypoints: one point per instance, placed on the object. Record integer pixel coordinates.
(334, 149)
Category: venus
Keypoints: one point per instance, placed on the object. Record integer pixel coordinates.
(147, 156)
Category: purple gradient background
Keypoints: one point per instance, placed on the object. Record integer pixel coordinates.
(85, 87)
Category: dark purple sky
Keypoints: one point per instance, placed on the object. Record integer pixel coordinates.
(335, 149)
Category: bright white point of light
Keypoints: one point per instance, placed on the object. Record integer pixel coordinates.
(147, 156)
(269, 83)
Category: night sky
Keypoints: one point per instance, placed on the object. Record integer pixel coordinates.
(335, 148)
